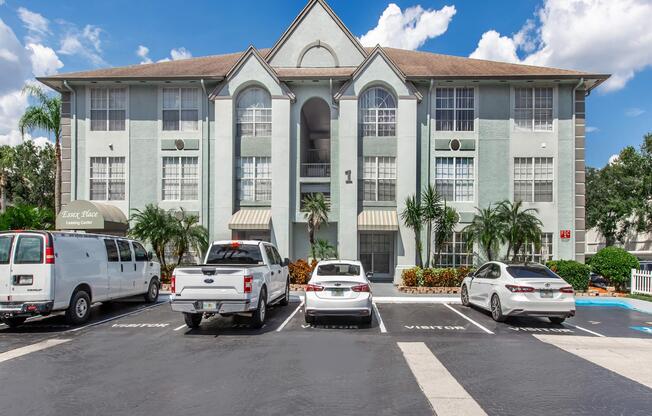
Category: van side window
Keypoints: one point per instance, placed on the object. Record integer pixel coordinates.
(5, 248)
(111, 251)
(29, 250)
(124, 249)
(139, 251)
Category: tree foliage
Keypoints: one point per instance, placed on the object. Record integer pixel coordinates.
(487, 229)
(27, 174)
(315, 209)
(444, 228)
(26, 217)
(615, 264)
(412, 218)
(431, 210)
(520, 226)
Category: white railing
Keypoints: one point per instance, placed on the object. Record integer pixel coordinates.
(641, 282)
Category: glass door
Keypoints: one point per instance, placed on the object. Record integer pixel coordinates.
(377, 253)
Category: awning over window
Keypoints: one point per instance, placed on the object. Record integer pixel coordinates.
(251, 219)
(378, 220)
(91, 215)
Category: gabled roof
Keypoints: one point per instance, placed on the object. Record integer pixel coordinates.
(297, 21)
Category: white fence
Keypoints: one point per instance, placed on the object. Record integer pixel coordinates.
(641, 282)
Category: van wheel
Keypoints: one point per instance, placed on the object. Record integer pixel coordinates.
(80, 308)
(152, 292)
(259, 316)
(192, 319)
(13, 322)
(286, 298)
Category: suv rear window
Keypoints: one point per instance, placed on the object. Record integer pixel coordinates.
(532, 272)
(236, 254)
(338, 269)
(29, 250)
(5, 248)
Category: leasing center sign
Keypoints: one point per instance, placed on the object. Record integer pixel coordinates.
(80, 215)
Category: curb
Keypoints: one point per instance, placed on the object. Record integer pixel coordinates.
(625, 303)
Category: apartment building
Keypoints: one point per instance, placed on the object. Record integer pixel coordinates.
(240, 139)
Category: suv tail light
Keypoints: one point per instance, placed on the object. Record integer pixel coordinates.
(361, 288)
(519, 289)
(567, 289)
(248, 284)
(314, 288)
(173, 284)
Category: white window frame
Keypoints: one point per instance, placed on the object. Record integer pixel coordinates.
(455, 109)
(377, 178)
(534, 179)
(455, 179)
(107, 177)
(181, 108)
(456, 237)
(255, 179)
(547, 242)
(180, 178)
(533, 108)
(374, 111)
(107, 109)
(256, 113)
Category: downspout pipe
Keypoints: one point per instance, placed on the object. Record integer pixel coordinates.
(579, 84)
(73, 145)
(206, 161)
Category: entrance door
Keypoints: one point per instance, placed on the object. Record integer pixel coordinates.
(377, 254)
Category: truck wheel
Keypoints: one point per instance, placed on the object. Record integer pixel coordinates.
(14, 321)
(80, 308)
(192, 319)
(259, 316)
(286, 298)
(557, 320)
(152, 292)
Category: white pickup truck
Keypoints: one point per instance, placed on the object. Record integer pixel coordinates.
(237, 278)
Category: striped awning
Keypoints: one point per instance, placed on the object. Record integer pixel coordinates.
(251, 219)
(378, 220)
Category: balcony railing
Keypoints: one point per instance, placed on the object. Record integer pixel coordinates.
(316, 170)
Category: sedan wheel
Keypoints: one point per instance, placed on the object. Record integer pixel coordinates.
(465, 296)
(497, 309)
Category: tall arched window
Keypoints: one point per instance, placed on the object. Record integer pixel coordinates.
(378, 113)
(254, 113)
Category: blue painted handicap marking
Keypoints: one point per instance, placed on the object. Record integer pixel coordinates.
(646, 329)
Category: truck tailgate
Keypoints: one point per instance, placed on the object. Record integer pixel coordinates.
(210, 283)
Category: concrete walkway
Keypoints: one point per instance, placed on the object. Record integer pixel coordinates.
(635, 304)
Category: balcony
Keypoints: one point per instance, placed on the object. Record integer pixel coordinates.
(315, 139)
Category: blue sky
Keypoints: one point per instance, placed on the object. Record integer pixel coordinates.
(78, 35)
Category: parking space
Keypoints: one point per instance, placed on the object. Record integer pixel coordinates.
(435, 319)
(612, 321)
(330, 324)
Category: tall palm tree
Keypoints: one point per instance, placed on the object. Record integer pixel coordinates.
(431, 209)
(156, 226)
(520, 226)
(411, 216)
(486, 229)
(45, 115)
(189, 235)
(444, 228)
(315, 210)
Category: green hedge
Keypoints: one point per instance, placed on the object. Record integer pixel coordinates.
(445, 277)
(615, 264)
(575, 273)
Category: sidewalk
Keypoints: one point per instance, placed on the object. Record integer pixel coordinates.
(627, 303)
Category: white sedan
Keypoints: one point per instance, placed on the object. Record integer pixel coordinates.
(338, 288)
(528, 289)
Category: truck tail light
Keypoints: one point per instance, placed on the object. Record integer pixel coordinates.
(519, 289)
(248, 284)
(361, 288)
(567, 289)
(173, 284)
(314, 288)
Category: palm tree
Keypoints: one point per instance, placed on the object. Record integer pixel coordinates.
(445, 227)
(486, 229)
(189, 235)
(156, 226)
(411, 216)
(45, 115)
(315, 210)
(431, 209)
(324, 250)
(520, 226)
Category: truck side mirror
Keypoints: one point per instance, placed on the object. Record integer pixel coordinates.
(286, 262)
(150, 256)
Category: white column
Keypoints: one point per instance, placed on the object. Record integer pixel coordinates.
(347, 227)
(281, 224)
(222, 159)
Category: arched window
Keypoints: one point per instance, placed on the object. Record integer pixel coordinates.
(254, 113)
(378, 113)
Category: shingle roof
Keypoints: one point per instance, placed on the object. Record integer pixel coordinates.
(414, 64)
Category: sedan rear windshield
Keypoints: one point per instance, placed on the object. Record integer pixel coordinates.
(532, 272)
(235, 254)
(338, 269)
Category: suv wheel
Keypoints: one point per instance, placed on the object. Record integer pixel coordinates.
(193, 319)
(80, 308)
(259, 316)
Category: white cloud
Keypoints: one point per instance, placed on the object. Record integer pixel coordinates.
(44, 60)
(143, 53)
(613, 159)
(634, 112)
(591, 129)
(602, 36)
(177, 54)
(37, 25)
(408, 29)
(86, 43)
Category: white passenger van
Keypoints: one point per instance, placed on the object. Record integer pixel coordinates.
(42, 272)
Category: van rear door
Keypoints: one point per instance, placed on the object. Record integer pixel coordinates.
(30, 275)
(6, 243)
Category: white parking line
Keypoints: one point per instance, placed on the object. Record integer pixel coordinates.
(468, 319)
(586, 330)
(289, 318)
(19, 352)
(181, 327)
(116, 317)
(381, 324)
(445, 394)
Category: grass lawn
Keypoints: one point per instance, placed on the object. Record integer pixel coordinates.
(640, 297)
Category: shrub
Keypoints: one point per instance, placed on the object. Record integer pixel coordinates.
(447, 277)
(573, 272)
(615, 264)
(411, 276)
(300, 271)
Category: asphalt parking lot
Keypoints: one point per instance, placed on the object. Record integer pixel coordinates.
(416, 359)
